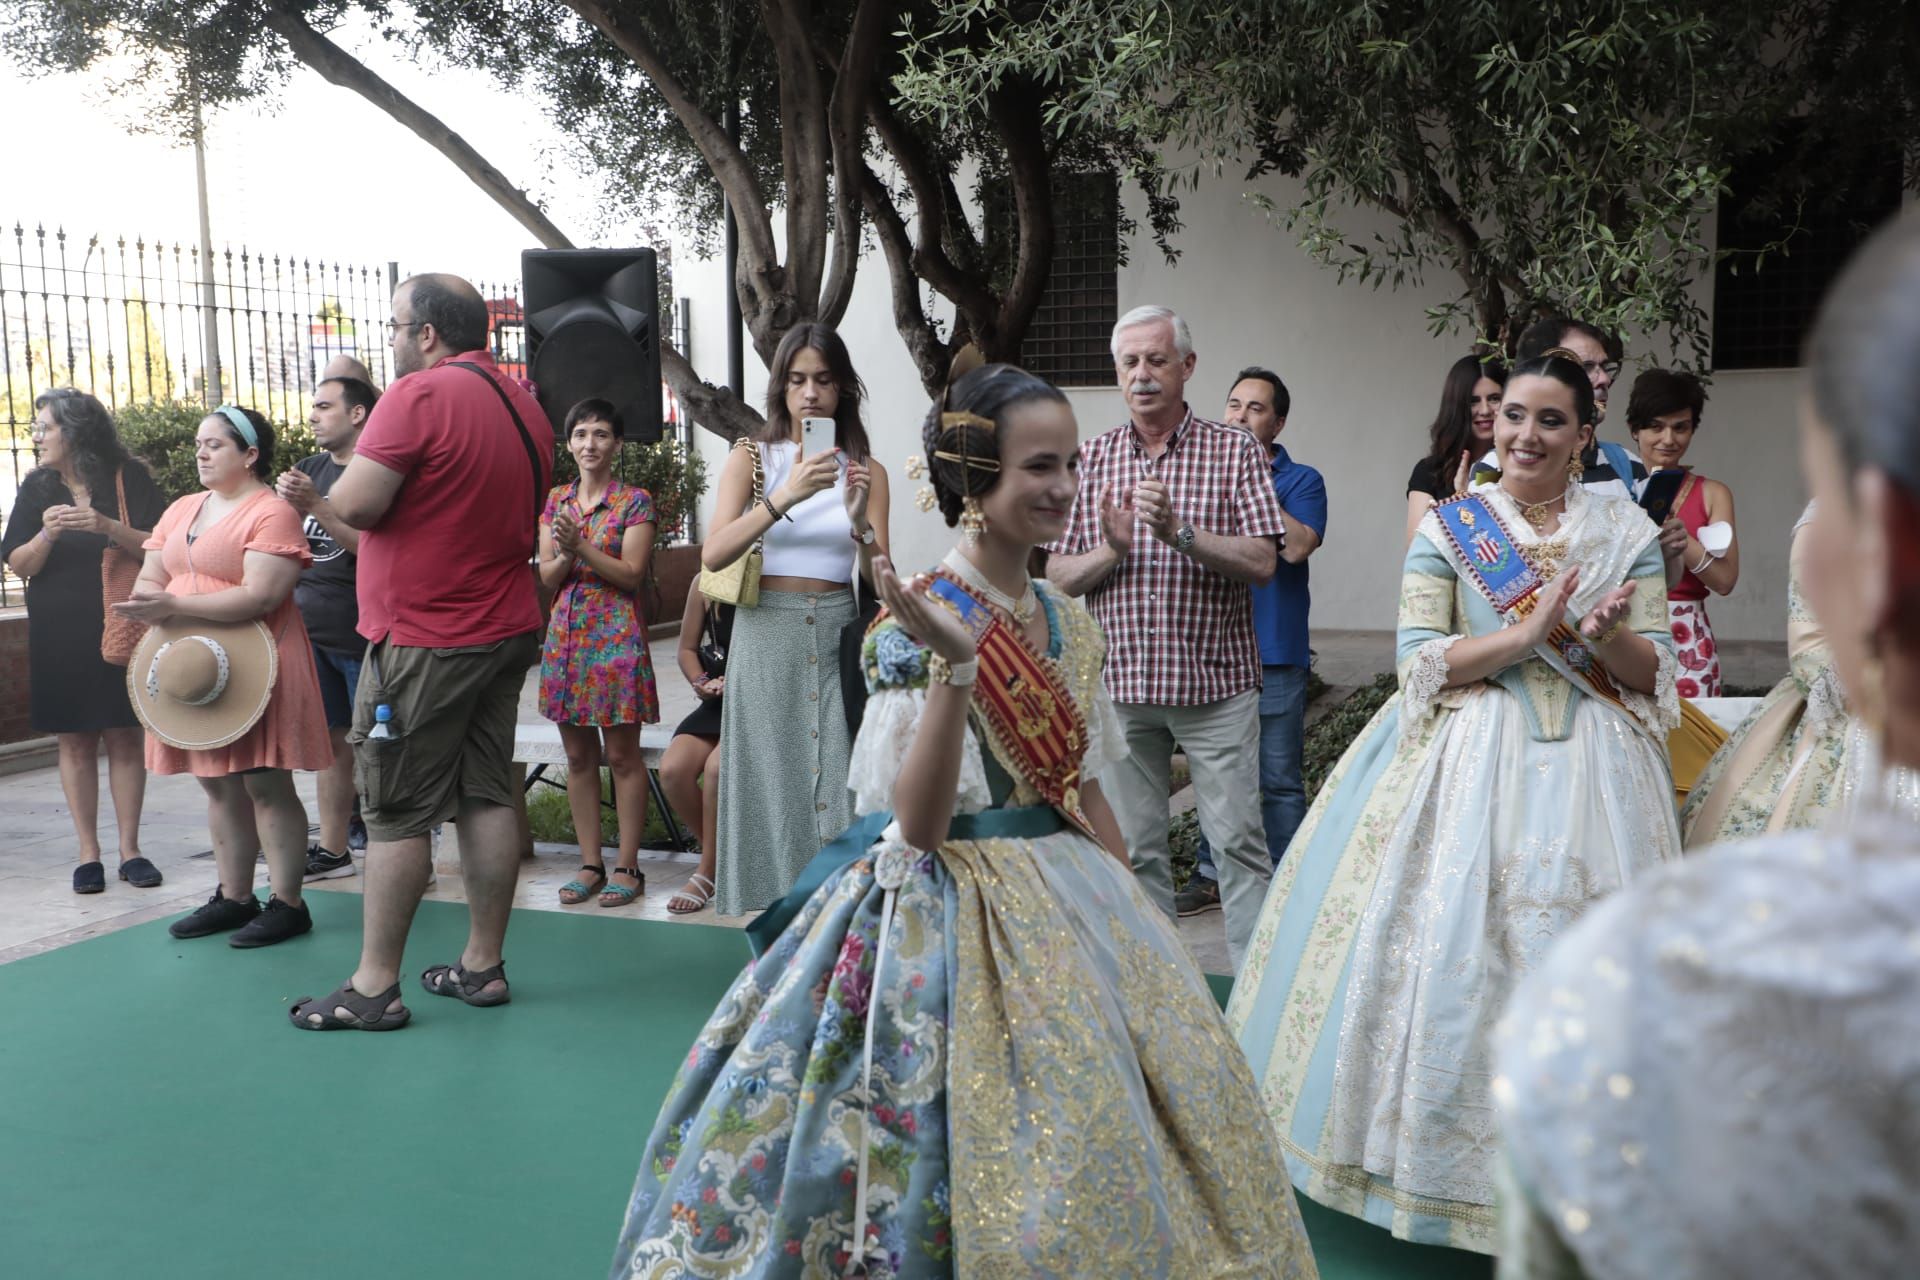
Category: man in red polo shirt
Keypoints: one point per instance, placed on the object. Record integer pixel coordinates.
(446, 484)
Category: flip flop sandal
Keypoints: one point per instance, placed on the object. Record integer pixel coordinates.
(461, 984)
(698, 890)
(364, 1013)
(620, 895)
(580, 888)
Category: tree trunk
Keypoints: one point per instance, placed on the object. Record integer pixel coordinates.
(715, 408)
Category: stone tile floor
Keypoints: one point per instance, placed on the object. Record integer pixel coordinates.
(39, 910)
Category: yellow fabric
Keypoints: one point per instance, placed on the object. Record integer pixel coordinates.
(1689, 747)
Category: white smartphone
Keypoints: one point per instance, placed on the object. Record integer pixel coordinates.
(816, 436)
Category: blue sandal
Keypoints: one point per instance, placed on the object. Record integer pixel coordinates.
(620, 895)
(581, 888)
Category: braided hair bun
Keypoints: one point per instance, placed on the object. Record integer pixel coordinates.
(962, 430)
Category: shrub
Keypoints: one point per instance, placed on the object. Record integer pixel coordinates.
(551, 821)
(160, 433)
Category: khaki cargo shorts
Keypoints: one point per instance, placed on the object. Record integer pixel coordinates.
(454, 712)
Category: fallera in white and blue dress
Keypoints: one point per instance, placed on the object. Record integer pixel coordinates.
(1463, 831)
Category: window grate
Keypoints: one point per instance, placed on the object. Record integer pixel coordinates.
(1761, 315)
(1068, 339)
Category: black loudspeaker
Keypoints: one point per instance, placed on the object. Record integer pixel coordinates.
(593, 330)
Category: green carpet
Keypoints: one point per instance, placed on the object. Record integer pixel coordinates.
(159, 1117)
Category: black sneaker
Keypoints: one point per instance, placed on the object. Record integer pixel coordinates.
(216, 915)
(322, 865)
(356, 835)
(276, 923)
(1199, 897)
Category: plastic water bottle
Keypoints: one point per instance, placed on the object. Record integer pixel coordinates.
(382, 717)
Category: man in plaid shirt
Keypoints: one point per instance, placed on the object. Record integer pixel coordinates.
(1175, 521)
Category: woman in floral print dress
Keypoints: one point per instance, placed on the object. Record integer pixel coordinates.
(970, 1045)
(596, 676)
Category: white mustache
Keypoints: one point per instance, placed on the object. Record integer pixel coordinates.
(1148, 388)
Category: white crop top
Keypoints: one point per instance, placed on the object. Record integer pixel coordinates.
(815, 541)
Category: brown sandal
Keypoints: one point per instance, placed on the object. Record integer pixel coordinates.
(364, 1013)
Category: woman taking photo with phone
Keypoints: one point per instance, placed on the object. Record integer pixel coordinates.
(819, 519)
(596, 676)
(1663, 413)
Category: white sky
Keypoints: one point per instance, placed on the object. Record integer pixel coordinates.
(321, 173)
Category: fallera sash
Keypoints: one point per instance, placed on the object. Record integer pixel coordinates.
(1484, 548)
(1022, 703)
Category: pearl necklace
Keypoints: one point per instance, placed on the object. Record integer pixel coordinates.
(1021, 610)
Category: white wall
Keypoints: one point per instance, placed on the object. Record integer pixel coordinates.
(1365, 378)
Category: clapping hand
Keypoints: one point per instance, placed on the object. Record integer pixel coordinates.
(930, 624)
(1116, 519)
(1551, 610)
(147, 603)
(566, 531)
(1154, 505)
(1463, 474)
(83, 520)
(1611, 610)
(296, 490)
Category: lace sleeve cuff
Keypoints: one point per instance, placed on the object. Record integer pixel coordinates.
(1424, 678)
(887, 731)
(1659, 710)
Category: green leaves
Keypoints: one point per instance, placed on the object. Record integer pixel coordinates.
(1540, 155)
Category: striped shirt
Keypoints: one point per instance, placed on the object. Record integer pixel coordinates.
(1178, 634)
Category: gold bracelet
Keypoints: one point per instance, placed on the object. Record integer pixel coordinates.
(1609, 633)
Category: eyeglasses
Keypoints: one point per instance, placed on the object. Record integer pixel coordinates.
(394, 326)
(1610, 367)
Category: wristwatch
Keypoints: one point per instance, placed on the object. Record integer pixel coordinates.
(1183, 540)
(862, 536)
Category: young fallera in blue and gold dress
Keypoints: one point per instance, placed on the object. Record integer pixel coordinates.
(1463, 831)
(991, 1059)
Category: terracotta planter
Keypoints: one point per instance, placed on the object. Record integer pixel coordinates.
(676, 568)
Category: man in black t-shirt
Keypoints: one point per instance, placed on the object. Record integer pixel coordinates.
(329, 603)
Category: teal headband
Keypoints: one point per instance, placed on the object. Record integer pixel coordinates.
(241, 424)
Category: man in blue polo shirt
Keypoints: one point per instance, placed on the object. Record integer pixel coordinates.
(1259, 404)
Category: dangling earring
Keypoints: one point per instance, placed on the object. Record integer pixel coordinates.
(973, 521)
(1575, 468)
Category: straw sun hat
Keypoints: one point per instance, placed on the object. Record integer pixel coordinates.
(197, 685)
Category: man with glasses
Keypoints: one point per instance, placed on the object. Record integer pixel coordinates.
(1610, 468)
(446, 484)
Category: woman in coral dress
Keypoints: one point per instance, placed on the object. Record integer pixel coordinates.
(230, 554)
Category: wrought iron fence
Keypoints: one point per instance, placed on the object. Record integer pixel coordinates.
(139, 320)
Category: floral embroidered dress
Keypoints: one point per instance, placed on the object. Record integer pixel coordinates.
(992, 1059)
(596, 668)
(1693, 642)
(1463, 831)
(1802, 757)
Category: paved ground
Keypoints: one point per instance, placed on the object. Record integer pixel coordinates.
(39, 910)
